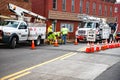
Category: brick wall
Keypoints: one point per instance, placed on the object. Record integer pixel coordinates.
(5, 11)
(38, 6)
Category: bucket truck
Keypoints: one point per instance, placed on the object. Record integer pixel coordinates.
(16, 31)
(93, 29)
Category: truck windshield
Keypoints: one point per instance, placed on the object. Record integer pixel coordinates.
(13, 24)
(89, 25)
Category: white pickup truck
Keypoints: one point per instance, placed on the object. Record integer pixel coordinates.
(16, 31)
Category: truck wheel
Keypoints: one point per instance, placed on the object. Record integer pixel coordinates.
(13, 43)
(37, 42)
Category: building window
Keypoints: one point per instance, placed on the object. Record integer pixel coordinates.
(87, 7)
(94, 8)
(73, 5)
(111, 11)
(116, 9)
(81, 5)
(64, 5)
(105, 11)
(100, 10)
(70, 26)
(26, 0)
(54, 4)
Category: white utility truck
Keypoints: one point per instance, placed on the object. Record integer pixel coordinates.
(93, 29)
(16, 31)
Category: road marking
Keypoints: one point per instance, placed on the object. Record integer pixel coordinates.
(21, 75)
(6, 77)
(68, 56)
(82, 49)
(22, 71)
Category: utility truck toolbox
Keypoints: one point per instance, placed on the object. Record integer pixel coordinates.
(35, 30)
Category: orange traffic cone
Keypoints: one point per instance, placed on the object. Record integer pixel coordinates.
(88, 50)
(56, 43)
(98, 47)
(107, 44)
(110, 45)
(103, 46)
(33, 45)
(118, 44)
(76, 43)
(92, 47)
(113, 44)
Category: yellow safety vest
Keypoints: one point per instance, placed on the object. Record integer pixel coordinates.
(64, 31)
(50, 29)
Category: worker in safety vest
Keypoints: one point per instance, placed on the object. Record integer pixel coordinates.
(64, 32)
(51, 35)
(58, 37)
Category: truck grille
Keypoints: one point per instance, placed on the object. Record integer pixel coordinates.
(81, 32)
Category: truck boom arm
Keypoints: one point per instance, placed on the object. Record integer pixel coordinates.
(20, 11)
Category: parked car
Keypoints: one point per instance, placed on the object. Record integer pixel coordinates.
(117, 37)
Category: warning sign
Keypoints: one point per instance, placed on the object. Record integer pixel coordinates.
(91, 35)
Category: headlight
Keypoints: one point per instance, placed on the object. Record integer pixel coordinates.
(7, 33)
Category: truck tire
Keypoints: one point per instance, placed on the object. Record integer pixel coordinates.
(37, 42)
(13, 42)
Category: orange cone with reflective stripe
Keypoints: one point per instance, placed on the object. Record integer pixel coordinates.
(106, 44)
(118, 44)
(76, 43)
(92, 48)
(88, 50)
(97, 47)
(56, 43)
(103, 46)
(33, 45)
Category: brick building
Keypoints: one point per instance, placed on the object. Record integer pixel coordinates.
(117, 15)
(22, 3)
(65, 12)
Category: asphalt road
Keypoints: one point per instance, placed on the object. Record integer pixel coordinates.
(65, 62)
(112, 73)
(22, 57)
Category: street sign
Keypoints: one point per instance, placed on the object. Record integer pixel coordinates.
(91, 35)
(106, 32)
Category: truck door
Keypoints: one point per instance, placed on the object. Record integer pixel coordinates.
(23, 31)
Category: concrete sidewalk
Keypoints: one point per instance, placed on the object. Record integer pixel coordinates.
(73, 66)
